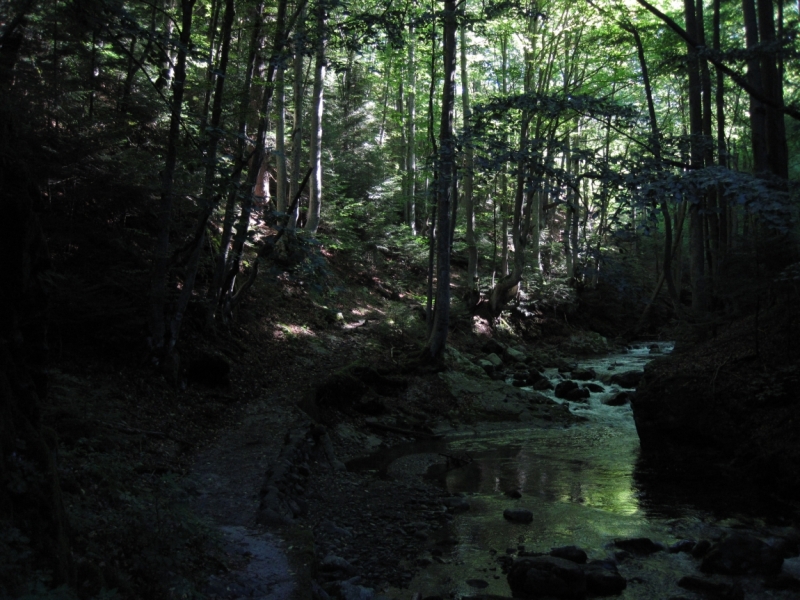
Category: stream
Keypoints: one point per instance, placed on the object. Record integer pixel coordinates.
(586, 486)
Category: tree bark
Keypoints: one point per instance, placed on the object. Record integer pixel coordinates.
(297, 128)
(411, 134)
(469, 167)
(438, 338)
(157, 342)
(315, 195)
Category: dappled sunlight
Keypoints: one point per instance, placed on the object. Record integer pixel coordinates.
(284, 331)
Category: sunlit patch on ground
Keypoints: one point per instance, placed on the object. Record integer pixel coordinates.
(283, 331)
(480, 326)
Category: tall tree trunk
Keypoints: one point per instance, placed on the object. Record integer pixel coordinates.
(772, 87)
(223, 256)
(469, 166)
(655, 143)
(243, 224)
(438, 338)
(166, 70)
(280, 140)
(504, 204)
(315, 195)
(411, 134)
(297, 129)
(158, 343)
(209, 201)
(758, 110)
(696, 228)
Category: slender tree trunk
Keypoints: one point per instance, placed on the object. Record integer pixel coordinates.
(772, 87)
(223, 257)
(758, 110)
(504, 204)
(315, 195)
(166, 70)
(696, 229)
(158, 343)
(209, 198)
(469, 166)
(411, 135)
(297, 130)
(438, 338)
(280, 140)
(243, 224)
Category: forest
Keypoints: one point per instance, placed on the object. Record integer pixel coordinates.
(365, 219)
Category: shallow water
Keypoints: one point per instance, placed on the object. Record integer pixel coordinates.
(586, 486)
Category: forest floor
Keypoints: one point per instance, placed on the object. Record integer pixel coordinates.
(137, 452)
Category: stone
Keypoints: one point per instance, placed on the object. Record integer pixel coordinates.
(715, 589)
(701, 548)
(516, 494)
(518, 515)
(583, 374)
(595, 388)
(620, 399)
(351, 591)
(456, 504)
(336, 563)
(492, 346)
(564, 388)
(495, 360)
(627, 379)
(603, 579)
(682, 546)
(513, 355)
(487, 366)
(546, 576)
(640, 546)
(572, 553)
(578, 395)
(741, 554)
(542, 385)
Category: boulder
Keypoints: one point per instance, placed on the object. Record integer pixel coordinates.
(603, 579)
(564, 388)
(620, 399)
(583, 374)
(495, 360)
(714, 589)
(641, 546)
(542, 385)
(515, 356)
(578, 395)
(456, 504)
(628, 379)
(546, 577)
(742, 555)
(492, 346)
(518, 515)
(595, 388)
(572, 553)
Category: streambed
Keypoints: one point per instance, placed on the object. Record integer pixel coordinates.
(585, 486)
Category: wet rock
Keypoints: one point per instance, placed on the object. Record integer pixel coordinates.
(782, 581)
(572, 553)
(655, 349)
(518, 515)
(351, 591)
(546, 576)
(701, 548)
(564, 388)
(534, 376)
(514, 355)
(595, 388)
(478, 583)
(492, 346)
(337, 563)
(682, 546)
(486, 365)
(578, 395)
(456, 504)
(620, 399)
(641, 546)
(495, 360)
(603, 579)
(715, 589)
(542, 385)
(561, 364)
(742, 555)
(372, 406)
(424, 559)
(628, 379)
(583, 374)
